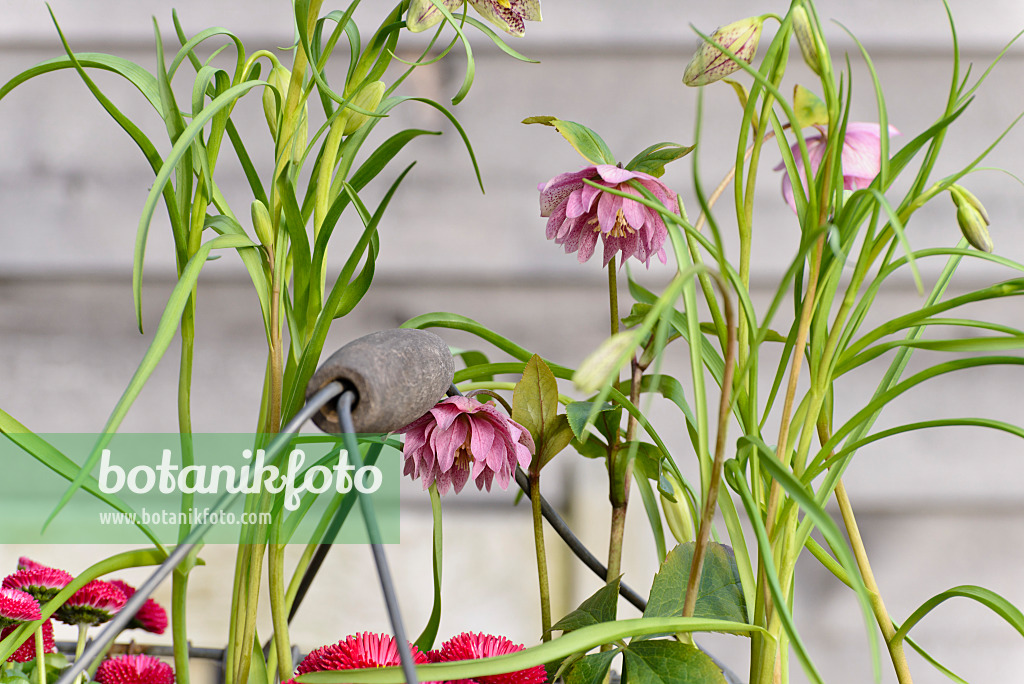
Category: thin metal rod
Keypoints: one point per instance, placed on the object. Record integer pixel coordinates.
(563, 530)
(348, 432)
(120, 621)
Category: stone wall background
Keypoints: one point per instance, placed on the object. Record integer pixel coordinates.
(937, 509)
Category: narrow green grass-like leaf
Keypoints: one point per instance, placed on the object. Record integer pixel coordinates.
(467, 79)
(425, 642)
(986, 597)
(181, 147)
(577, 641)
(653, 512)
(162, 339)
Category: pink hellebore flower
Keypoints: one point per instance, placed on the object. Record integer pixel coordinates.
(579, 213)
(861, 157)
(461, 434)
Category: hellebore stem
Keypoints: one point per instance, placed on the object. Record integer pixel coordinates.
(542, 558)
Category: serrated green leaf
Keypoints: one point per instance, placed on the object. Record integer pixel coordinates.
(599, 607)
(585, 141)
(720, 594)
(591, 669)
(657, 661)
(654, 158)
(592, 448)
(578, 412)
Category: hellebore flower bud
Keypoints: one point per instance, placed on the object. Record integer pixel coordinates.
(972, 217)
(805, 38)
(262, 225)
(677, 513)
(367, 98)
(710, 64)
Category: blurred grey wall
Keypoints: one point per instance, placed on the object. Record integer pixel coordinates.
(937, 509)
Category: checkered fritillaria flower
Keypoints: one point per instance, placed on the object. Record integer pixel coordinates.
(508, 15)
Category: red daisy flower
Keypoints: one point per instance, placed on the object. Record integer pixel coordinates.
(17, 606)
(151, 616)
(134, 669)
(26, 563)
(357, 651)
(470, 646)
(93, 604)
(42, 582)
(27, 651)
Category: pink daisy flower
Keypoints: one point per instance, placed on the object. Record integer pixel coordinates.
(42, 582)
(151, 616)
(462, 438)
(365, 649)
(134, 669)
(26, 563)
(27, 651)
(93, 604)
(470, 646)
(578, 214)
(17, 606)
(861, 157)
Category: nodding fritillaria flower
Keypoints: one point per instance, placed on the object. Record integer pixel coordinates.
(27, 651)
(365, 649)
(134, 669)
(93, 604)
(710, 64)
(39, 580)
(579, 213)
(461, 438)
(508, 15)
(861, 157)
(17, 606)
(470, 646)
(151, 616)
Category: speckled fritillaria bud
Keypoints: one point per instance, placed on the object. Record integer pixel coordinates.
(262, 225)
(806, 39)
(279, 79)
(972, 217)
(710, 64)
(677, 513)
(367, 98)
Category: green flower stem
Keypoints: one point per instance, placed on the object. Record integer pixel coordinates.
(708, 509)
(279, 609)
(542, 559)
(179, 625)
(40, 656)
(899, 658)
(83, 633)
(613, 298)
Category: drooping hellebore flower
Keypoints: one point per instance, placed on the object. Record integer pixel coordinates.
(508, 15)
(470, 646)
(578, 214)
(861, 157)
(41, 581)
(134, 669)
(27, 650)
(365, 649)
(462, 438)
(17, 606)
(93, 604)
(151, 616)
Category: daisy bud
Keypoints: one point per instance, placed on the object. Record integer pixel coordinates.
(677, 513)
(367, 98)
(972, 217)
(262, 225)
(710, 64)
(806, 39)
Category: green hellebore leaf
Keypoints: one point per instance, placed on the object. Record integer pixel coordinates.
(535, 407)
(810, 110)
(654, 158)
(658, 661)
(579, 411)
(585, 141)
(720, 593)
(599, 607)
(591, 669)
